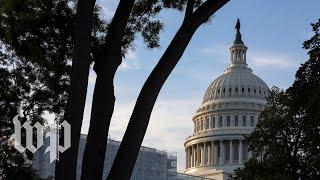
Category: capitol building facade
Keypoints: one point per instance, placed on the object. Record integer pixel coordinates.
(229, 111)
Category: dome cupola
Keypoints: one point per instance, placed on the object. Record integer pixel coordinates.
(238, 50)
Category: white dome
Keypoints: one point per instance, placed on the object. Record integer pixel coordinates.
(237, 81)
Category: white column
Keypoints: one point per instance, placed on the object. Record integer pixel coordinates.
(221, 152)
(212, 153)
(215, 154)
(198, 155)
(208, 155)
(189, 157)
(186, 151)
(193, 156)
(202, 154)
(240, 151)
(205, 157)
(231, 152)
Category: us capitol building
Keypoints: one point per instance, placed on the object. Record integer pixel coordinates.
(230, 109)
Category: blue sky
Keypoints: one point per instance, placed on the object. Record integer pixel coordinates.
(273, 30)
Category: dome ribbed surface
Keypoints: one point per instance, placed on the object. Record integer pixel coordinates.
(238, 82)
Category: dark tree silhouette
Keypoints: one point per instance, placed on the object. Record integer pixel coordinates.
(128, 151)
(288, 133)
(66, 167)
(106, 62)
(130, 17)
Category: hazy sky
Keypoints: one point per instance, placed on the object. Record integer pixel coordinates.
(273, 30)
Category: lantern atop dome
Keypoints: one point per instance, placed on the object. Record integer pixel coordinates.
(238, 50)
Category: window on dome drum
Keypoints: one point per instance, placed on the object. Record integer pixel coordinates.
(198, 125)
(254, 90)
(213, 122)
(220, 121)
(207, 123)
(236, 89)
(228, 121)
(259, 91)
(248, 89)
(201, 126)
(251, 121)
(224, 90)
(229, 89)
(244, 121)
(219, 90)
(236, 120)
(242, 89)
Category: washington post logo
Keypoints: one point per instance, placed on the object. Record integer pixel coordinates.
(53, 134)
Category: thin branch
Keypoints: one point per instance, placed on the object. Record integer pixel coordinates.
(189, 9)
(209, 7)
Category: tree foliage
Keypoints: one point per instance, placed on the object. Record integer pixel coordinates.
(289, 130)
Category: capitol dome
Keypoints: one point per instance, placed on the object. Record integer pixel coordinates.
(237, 81)
(230, 110)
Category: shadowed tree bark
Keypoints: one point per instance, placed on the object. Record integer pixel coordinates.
(66, 167)
(128, 151)
(107, 61)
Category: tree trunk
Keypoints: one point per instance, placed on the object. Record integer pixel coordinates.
(106, 64)
(128, 151)
(127, 154)
(67, 165)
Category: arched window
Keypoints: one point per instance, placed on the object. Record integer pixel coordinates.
(251, 121)
(213, 122)
(244, 120)
(207, 123)
(220, 121)
(201, 126)
(228, 121)
(198, 126)
(236, 120)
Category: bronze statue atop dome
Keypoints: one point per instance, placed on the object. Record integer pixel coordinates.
(238, 39)
(238, 25)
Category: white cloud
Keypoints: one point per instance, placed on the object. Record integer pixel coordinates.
(130, 62)
(255, 58)
(272, 60)
(219, 50)
(169, 126)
